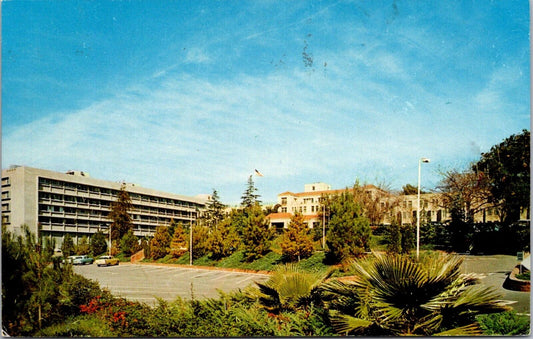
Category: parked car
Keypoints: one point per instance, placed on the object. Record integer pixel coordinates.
(68, 260)
(78, 260)
(106, 260)
(82, 260)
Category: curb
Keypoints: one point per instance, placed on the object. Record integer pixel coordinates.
(515, 284)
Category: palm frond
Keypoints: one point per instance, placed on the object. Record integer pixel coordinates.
(345, 324)
(463, 331)
(480, 299)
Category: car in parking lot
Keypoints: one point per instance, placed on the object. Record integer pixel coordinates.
(106, 260)
(82, 260)
(78, 260)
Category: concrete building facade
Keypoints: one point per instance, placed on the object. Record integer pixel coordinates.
(75, 203)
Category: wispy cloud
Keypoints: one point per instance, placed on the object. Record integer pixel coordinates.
(380, 93)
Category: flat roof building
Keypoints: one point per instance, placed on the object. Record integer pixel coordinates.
(75, 203)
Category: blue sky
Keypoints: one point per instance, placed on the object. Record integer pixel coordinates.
(191, 96)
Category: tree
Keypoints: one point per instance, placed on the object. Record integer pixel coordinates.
(129, 243)
(178, 244)
(200, 237)
(296, 242)
(83, 247)
(507, 169)
(372, 202)
(409, 189)
(408, 238)
(398, 295)
(224, 240)
(348, 231)
(257, 234)
(159, 245)
(290, 289)
(98, 243)
(36, 294)
(215, 211)
(466, 190)
(68, 245)
(121, 221)
(145, 245)
(393, 237)
(249, 197)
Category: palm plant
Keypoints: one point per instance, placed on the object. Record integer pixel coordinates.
(397, 295)
(289, 289)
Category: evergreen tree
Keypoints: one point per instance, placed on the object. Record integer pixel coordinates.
(348, 232)
(178, 244)
(68, 245)
(129, 244)
(98, 243)
(200, 237)
(172, 227)
(507, 168)
(159, 245)
(256, 233)
(296, 242)
(121, 221)
(215, 210)
(145, 245)
(249, 197)
(83, 247)
(408, 238)
(223, 240)
(393, 237)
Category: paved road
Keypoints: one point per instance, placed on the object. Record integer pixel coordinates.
(145, 283)
(495, 269)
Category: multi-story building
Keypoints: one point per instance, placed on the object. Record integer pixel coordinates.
(75, 203)
(386, 206)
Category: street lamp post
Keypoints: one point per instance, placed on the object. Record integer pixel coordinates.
(420, 161)
(190, 242)
(110, 241)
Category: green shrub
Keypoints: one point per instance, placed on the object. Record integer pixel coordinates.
(80, 326)
(524, 276)
(505, 323)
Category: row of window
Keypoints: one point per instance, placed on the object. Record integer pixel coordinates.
(110, 192)
(96, 203)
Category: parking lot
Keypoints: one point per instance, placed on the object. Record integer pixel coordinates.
(145, 283)
(494, 269)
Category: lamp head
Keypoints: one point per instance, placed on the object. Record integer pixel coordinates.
(426, 160)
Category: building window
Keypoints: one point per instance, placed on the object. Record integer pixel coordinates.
(5, 207)
(284, 210)
(6, 195)
(6, 181)
(284, 201)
